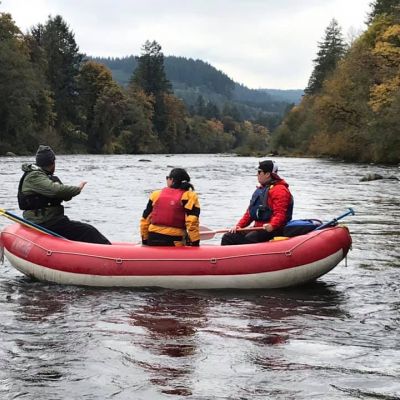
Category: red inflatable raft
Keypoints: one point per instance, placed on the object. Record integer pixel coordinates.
(274, 264)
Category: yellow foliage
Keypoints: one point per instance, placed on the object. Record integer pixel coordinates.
(382, 95)
(174, 107)
(215, 125)
(248, 125)
(387, 58)
(387, 49)
(392, 35)
(343, 145)
(261, 130)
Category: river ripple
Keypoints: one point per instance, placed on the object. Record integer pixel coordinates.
(338, 338)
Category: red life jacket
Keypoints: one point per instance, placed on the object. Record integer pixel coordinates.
(168, 209)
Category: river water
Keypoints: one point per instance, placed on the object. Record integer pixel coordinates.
(338, 338)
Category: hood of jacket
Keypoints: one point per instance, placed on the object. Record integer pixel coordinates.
(30, 167)
(276, 182)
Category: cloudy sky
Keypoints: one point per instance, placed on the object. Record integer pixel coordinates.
(259, 43)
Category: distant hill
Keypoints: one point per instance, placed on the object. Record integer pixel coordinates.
(289, 95)
(266, 98)
(193, 78)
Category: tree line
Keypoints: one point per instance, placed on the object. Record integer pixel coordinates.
(51, 93)
(196, 82)
(351, 105)
(194, 73)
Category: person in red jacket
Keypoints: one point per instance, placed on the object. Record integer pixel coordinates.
(271, 207)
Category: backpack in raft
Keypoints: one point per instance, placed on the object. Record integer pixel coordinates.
(297, 227)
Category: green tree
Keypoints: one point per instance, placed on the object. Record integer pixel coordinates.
(354, 115)
(150, 77)
(93, 82)
(382, 7)
(150, 73)
(200, 106)
(175, 123)
(212, 111)
(331, 50)
(108, 113)
(231, 110)
(25, 107)
(205, 136)
(62, 70)
(137, 136)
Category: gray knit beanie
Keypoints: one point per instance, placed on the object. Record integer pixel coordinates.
(45, 156)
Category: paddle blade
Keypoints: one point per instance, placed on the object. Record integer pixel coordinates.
(206, 233)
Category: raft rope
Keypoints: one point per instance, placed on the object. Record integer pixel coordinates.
(212, 260)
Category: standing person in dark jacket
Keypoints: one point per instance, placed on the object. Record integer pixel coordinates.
(171, 217)
(40, 195)
(271, 207)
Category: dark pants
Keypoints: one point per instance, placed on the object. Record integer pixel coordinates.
(78, 231)
(247, 238)
(158, 239)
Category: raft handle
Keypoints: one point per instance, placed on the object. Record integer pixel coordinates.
(118, 260)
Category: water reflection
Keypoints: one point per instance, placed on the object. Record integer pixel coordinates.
(186, 332)
(282, 316)
(39, 302)
(171, 320)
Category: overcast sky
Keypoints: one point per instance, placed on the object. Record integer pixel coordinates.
(259, 43)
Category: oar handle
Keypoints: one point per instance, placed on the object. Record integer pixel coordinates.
(254, 228)
(334, 220)
(248, 229)
(209, 234)
(30, 224)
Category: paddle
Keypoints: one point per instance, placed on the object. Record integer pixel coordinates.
(335, 220)
(27, 223)
(207, 233)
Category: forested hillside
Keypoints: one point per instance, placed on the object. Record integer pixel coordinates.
(351, 109)
(195, 80)
(199, 74)
(51, 93)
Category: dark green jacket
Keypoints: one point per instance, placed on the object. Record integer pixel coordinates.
(38, 181)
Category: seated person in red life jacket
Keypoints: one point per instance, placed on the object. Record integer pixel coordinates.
(171, 217)
(271, 207)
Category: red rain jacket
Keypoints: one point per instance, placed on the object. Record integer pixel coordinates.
(279, 200)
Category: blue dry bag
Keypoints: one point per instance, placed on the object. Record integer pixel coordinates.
(298, 227)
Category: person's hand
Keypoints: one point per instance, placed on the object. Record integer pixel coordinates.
(268, 227)
(234, 229)
(82, 185)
